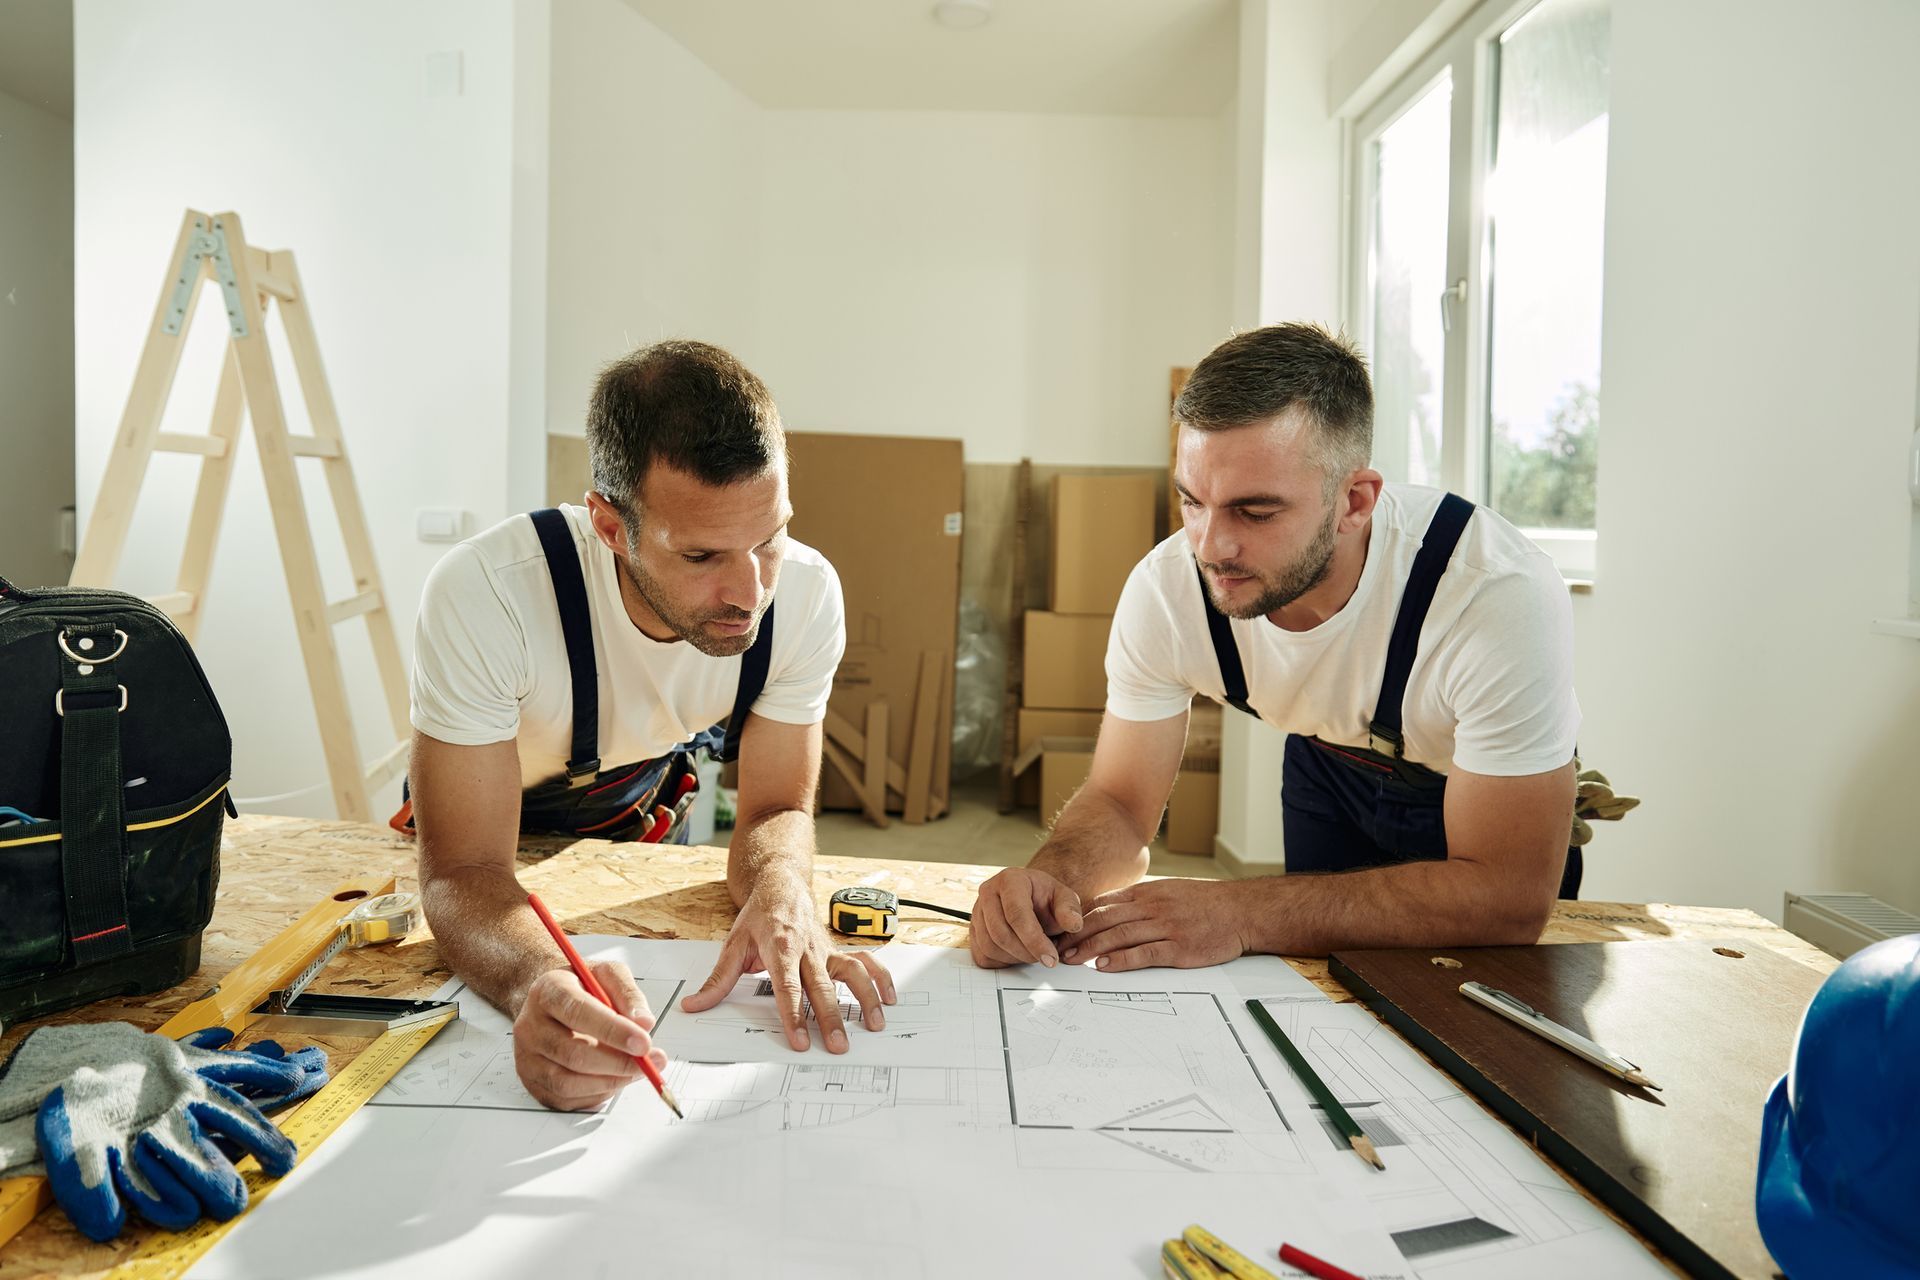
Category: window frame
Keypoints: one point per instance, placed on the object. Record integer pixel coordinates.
(1469, 53)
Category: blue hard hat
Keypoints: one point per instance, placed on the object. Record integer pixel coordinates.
(1839, 1191)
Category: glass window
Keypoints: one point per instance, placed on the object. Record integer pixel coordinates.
(1545, 202)
(1407, 270)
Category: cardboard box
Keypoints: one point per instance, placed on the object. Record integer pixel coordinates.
(1203, 735)
(1102, 527)
(1040, 723)
(1193, 812)
(1064, 765)
(1066, 660)
(885, 510)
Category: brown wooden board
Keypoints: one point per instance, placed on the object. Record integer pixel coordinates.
(1714, 1026)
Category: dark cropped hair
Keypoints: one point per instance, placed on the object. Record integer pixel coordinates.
(687, 404)
(1256, 376)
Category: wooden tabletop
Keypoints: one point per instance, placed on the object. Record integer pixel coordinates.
(272, 869)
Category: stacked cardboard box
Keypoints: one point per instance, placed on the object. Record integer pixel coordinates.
(1102, 526)
(1193, 811)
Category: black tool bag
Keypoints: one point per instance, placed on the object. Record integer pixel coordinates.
(114, 760)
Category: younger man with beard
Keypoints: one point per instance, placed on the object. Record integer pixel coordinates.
(1418, 652)
(557, 655)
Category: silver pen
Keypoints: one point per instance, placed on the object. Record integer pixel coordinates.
(1519, 1011)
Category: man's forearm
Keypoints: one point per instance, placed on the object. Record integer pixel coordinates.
(775, 844)
(488, 934)
(1449, 903)
(1095, 846)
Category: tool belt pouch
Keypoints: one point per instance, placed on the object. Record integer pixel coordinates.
(618, 804)
(114, 764)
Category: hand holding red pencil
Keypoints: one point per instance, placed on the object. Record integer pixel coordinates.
(638, 1050)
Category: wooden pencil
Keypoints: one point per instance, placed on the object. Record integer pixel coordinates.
(1345, 1123)
(598, 992)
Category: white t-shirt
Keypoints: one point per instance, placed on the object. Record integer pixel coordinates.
(1491, 688)
(490, 662)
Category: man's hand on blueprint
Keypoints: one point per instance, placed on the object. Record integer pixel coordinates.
(1017, 916)
(777, 932)
(572, 1052)
(1176, 924)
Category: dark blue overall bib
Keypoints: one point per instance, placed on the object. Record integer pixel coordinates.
(1346, 808)
(644, 801)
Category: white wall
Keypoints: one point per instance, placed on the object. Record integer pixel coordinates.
(1286, 254)
(1021, 282)
(1762, 319)
(654, 212)
(320, 126)
(36, 340)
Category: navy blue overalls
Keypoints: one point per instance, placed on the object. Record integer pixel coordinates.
(1345, 808)
(646, 801)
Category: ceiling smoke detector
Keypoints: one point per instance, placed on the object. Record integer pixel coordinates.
(962, 15)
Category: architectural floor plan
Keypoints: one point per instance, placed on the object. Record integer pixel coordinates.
(1005, 1122)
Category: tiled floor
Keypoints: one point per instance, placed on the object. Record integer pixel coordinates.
(974, 831)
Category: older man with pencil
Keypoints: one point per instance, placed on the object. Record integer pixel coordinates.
(567, 665)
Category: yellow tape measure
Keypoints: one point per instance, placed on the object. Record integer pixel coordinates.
(166, 1254)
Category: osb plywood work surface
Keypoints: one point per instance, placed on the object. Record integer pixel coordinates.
(274, 868)
(1711, 1023)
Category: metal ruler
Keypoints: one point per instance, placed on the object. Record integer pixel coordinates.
(165, 1254)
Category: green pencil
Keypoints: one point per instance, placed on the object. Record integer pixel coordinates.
(1346, 1124)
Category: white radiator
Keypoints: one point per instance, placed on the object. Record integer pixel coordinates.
(1843, 923)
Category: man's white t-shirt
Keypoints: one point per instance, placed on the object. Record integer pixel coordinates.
(1491, 689)
(490, 662)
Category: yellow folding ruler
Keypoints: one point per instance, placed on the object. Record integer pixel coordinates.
(269, 984)
(165, 1254)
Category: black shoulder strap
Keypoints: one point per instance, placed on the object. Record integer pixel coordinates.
(753, 679)
(1232, 675)
(93, 852)
(576, 624)
(1429, 564)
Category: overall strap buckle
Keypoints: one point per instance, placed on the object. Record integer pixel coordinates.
(1386, 741)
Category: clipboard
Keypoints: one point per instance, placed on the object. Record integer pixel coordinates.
(1714, 1024)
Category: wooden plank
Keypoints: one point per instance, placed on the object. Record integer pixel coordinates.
(873, 786)
(848, 769)
(210, 493)
(295, 536)
(1713, 1026)
(175, 604)
(942, 745)
(1016, 641)
(926, 716)
(207, 446)
(352, 607)
(112, 514)
(266, 275)
(840, 729)
(325, 416)
(312, 447)
(389, 766)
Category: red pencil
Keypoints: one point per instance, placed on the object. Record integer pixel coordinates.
(1313, 1266)
(598, 992)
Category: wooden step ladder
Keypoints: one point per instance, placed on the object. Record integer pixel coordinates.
(214, 248)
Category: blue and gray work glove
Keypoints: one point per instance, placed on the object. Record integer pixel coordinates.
(124, 1118)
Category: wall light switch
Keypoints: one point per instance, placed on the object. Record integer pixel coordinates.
(446, 74)
(440, 524)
